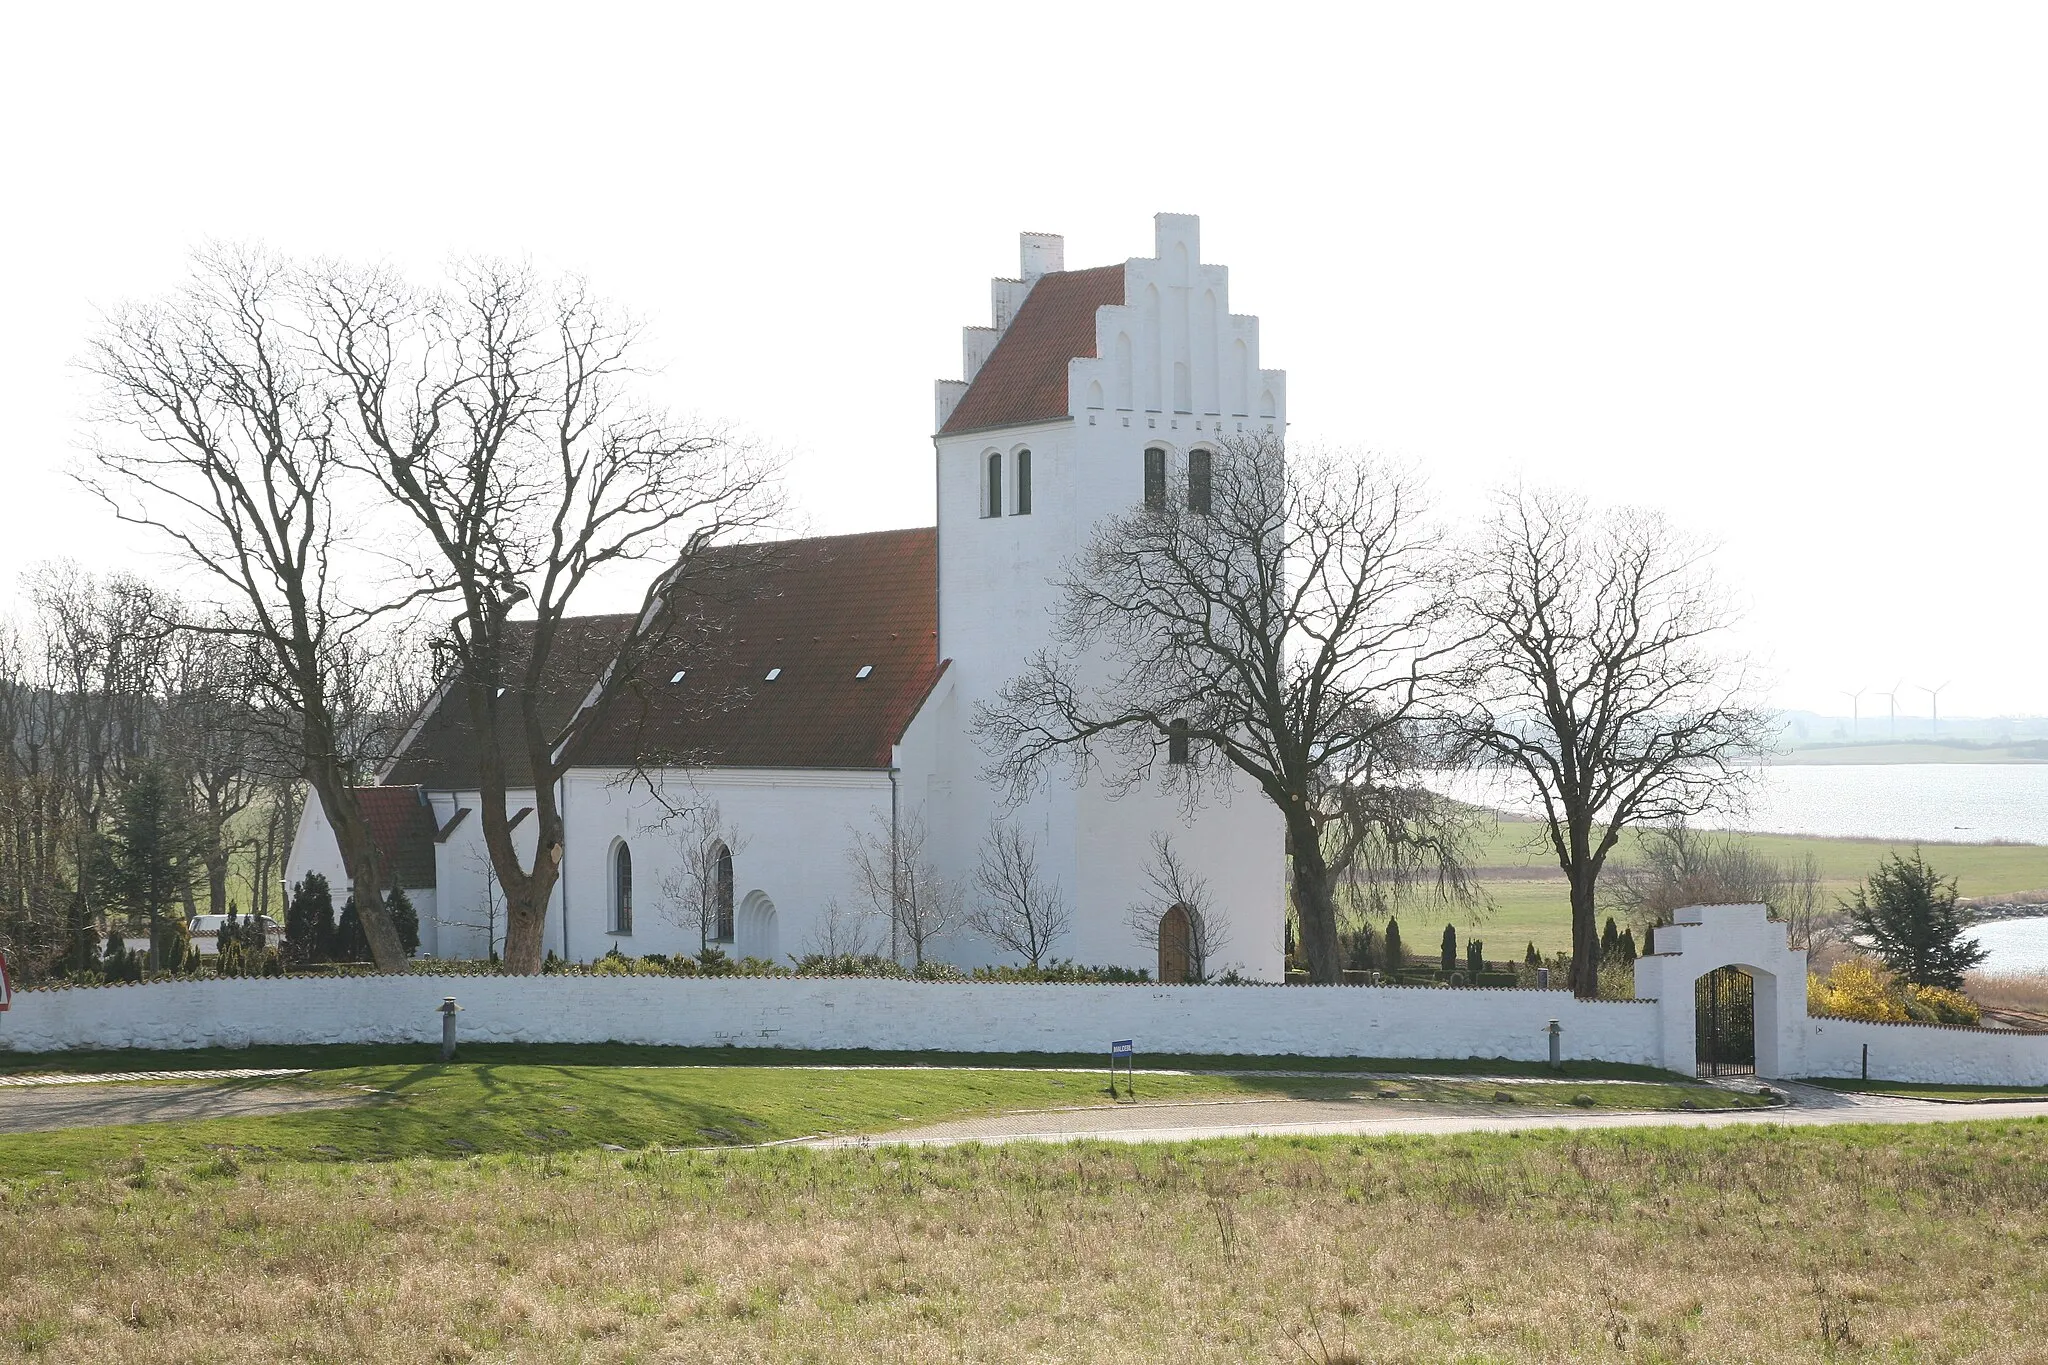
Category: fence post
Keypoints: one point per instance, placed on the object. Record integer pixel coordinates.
(448, 1011)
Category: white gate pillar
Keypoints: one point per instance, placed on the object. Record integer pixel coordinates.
(1705, 939)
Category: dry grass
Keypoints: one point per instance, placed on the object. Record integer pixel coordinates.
(2027, 993)
(1764, 1244)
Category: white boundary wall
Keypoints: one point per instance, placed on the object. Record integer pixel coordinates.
(809, 1012)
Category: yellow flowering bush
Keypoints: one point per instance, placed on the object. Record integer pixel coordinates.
(1860, 989)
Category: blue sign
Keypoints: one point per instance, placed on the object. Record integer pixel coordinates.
(1120, 1049)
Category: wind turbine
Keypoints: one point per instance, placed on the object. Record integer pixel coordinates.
(1855, 708)
(1892, 697)
(1934, 699)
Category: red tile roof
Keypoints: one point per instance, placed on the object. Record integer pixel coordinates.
(402, 827)
(1025, 377)
(818, 610)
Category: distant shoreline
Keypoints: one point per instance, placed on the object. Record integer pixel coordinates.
(2027, 753)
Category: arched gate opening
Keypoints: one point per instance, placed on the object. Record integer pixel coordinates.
(1724, 1012)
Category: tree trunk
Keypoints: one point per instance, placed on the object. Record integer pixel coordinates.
(1585, 937)
(217, 881)
(527, 893)
(1315, 904)
(526, 918)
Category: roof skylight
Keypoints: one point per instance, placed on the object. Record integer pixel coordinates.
(773, 674)
(678, 676)
(865, 669)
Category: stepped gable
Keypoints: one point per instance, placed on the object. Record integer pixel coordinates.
(1024, 378)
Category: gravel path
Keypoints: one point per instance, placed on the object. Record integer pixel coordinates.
(243, 1073)
(42, 1109)
(1190, 1121)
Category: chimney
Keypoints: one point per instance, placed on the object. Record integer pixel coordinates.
(1041, 253)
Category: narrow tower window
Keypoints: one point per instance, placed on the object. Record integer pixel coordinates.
(1177, 742)
(1155, 479)
(1198, 481)
(1021, 505)
(995, 484)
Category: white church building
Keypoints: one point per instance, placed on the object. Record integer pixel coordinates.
(852, 684)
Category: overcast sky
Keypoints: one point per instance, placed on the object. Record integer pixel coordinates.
(1780, 270)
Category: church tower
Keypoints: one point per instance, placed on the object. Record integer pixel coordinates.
(1089, 392)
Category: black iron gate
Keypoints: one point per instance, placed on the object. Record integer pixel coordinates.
(1724, 1011)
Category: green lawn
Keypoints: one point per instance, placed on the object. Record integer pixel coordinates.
(1525, 898)
(527, 1107)
(1739, 1244)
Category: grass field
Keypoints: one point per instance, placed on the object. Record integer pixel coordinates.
(525, 1107)
(1526, 898)
(1755, 1244)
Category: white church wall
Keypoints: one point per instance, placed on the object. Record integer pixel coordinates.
(469, 916)
(792, 834)
(315, 849)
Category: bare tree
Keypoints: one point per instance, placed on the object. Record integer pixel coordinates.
(844, 931)
(699, 891)
(501, 415)
(104, 644)
(1291, 630)
(1593, 676)
(1202, 936)
(1018, 906)
(214, 434)
(894, 873)
(1674, 865)
(212, 742)
(38, 822)
(274, 821)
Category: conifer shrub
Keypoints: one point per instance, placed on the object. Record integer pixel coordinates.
(1449, 948)
(1475, 957)
(309, 921)
(1393, 950)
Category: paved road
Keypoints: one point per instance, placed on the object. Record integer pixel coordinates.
(1189, 1121)
(41, 1109)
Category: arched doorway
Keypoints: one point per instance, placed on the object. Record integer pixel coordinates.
(1724, 1027)
(757, 932)
(1176, 945)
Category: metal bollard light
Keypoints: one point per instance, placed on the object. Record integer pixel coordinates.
(1556, 1045)
(449, 1009)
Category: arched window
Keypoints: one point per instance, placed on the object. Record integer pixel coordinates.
(622, 889)
(1020, 505)
(721, 896)
(1155, 479)
(1177, 741)
(993, 507)
(1198, 481)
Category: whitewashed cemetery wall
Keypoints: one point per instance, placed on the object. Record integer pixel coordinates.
(1656, 1029)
